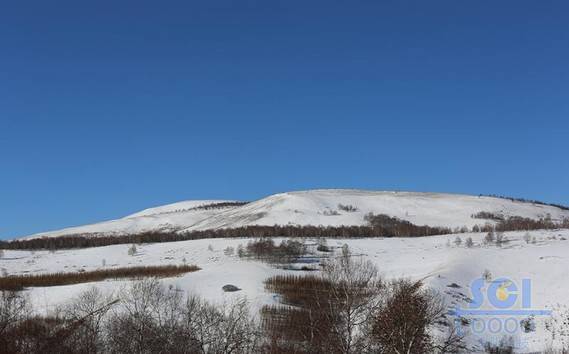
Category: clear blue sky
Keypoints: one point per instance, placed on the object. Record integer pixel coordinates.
(108, 107)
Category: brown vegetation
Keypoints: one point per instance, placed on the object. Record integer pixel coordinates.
(377, 226)
(19, 282)
(143, 318)
(266, 249)
(349, 309)
(393, 227)
(488, 216)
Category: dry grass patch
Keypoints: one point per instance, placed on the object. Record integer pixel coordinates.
(19, 282)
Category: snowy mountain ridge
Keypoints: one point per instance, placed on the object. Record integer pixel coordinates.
(326, 207)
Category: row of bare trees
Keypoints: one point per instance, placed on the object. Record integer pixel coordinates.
(394, 227)
(524, 200)
(378, 225)
(145, 317)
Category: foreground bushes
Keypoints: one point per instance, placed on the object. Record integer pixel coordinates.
(350, 309)
(143, 318)
(19, 282)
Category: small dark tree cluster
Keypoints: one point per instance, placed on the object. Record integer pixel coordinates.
(385, 224)
(518, 223)
(347, 208)
(266, 249)
(211, 206)
(488, 216)
(219, 205)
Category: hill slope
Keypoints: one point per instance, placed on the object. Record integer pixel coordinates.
(318, 207)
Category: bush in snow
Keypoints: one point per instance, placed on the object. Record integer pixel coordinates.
(241, 251)
(489, 238)
(331, 213)
(346, 250)
(229, 251)
(349, 208)
(500, 239)
(132, 250)
(210, 247)
(528, 324)
(457, 241)
(505, 346)
(322, 245)
(527, 237)
(469, 243)
(487, 275)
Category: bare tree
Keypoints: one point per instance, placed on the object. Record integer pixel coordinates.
(146, 321)
(352, 301)
(489, 238)
(132, 250)
(527, 237)
(220, 329)
(500, 239)
(89, 309)
(405, 322)
(457, 241)
(14, 307)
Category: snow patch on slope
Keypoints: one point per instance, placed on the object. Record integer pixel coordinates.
(317, 207)
(321, 207)
(177, 207)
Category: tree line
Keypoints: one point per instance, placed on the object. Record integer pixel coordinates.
(379, 225)
(395, 227)
(524, 200)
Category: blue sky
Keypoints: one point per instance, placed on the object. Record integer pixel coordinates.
(109, 107)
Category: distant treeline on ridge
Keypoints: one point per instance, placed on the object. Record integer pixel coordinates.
(377, 226)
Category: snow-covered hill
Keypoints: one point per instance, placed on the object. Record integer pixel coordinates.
(317, 207)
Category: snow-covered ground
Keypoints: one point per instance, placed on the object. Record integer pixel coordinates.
(319, 207)
(437, 260)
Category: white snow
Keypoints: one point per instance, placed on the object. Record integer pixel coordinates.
(428, 258)
(318, 207)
